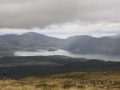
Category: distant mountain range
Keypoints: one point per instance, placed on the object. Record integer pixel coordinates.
(27, 41)
(115, 36)
(79, 44)
(88, 44)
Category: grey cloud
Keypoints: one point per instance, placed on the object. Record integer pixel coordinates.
(41, 13)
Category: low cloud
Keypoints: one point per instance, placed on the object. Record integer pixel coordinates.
(43, 13)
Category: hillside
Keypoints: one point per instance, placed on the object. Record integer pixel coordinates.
(27, 41)
(88, 44)
(77, 44)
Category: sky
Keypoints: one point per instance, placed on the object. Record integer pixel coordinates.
(60, 18)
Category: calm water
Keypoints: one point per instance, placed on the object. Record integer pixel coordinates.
(67, 53)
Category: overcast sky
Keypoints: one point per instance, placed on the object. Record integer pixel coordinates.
(60, 18)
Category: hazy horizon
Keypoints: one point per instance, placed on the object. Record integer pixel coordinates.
(62, 34)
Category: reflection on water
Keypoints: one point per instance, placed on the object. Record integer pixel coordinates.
(67, 53)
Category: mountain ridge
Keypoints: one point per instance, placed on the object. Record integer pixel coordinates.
(77, 44)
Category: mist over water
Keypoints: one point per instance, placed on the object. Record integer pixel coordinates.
(67, 53)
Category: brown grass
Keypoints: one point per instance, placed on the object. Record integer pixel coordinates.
(70, 81)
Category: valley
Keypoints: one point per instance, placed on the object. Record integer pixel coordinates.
(82, 44)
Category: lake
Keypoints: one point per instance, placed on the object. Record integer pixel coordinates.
(67, 53)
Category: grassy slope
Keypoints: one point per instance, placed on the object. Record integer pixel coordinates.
(71, 81)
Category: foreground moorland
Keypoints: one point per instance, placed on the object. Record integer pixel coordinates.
(58, 73)
(109, 80)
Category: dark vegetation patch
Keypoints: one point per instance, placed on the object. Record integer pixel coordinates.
(16, 67)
